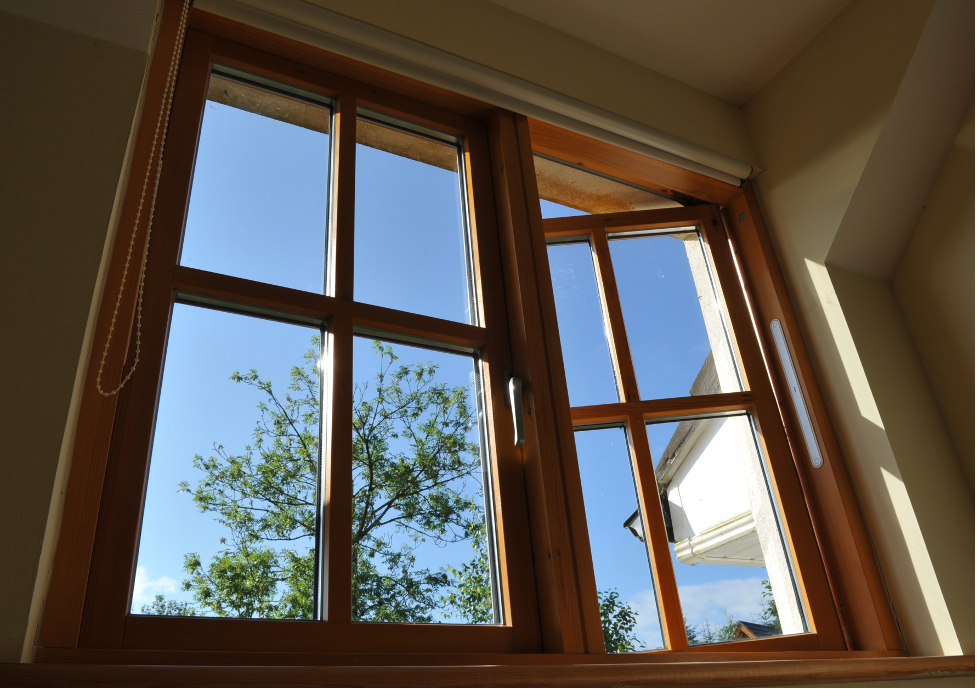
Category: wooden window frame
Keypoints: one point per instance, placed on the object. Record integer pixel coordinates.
(549, 588)
(756, 400)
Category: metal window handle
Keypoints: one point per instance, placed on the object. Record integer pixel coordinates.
(515, 403)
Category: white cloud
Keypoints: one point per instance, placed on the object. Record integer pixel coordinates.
(648, 629)
(700, 602)
(145, 589)
(740, 597)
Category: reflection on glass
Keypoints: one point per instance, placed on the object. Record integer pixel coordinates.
(735, 579)
(590, 192)
(625, 585)
(411, 245)
(421, 536)
(229, 520)
(259, 201)
(675, 327)
(586, 357)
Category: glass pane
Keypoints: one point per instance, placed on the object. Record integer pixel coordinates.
(735, 579)
(411, 236)
(229, 520)
(590, 192)
(423, 542)
(555, 210)
(676, 330)
(625, 585)
(586, 357)
(259, 201)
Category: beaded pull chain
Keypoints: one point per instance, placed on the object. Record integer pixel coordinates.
(162, 121)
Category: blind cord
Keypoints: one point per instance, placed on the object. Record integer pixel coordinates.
(162, 122)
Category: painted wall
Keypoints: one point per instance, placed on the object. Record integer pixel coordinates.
(68, 106)
(934, 289)
(820, 129)
(512, 43)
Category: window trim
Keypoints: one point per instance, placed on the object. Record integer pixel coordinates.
(568, 621)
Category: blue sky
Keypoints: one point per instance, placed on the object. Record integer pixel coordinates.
(258, 210)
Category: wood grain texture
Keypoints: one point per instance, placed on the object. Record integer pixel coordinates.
(520, 609)
(653, 409)
(573, 491)
(149, 632)
(342, 228)
(782, 472)
(61, 616)
(673, 621)
(627, 165)
(711, 653)
(856, 578)
(562, 624)
(660, 218)
(627, 381)
(117, 537)
(336, 546)
(678, 674)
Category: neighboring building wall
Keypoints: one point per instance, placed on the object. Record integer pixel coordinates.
(934, 288)
(817, 127)
(68, 105)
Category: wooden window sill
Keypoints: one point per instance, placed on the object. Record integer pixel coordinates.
(117, 668)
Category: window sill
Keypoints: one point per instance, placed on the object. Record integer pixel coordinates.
(116, 668)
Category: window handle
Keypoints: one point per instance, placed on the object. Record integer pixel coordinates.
(514, 399)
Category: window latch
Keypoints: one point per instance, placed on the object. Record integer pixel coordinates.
(514, 401)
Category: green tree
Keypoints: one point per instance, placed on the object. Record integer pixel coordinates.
(412, 466)
(471, 594)
(412, 461)
(768, 608)
(161, 606)
(708, 633)
(618, 621)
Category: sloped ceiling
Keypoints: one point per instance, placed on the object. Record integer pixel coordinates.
(125, 22)
(728, 48)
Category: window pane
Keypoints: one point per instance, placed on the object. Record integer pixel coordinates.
(586, 357)
(625, 585)
(411, 236)
(229, 520)
(735, 579)
(676, 330)
(259, 201)
(423, 537)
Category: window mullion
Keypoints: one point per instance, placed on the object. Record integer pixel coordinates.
(343, 199)
(336, 544)
(673, 624)
(336, 556)
(614, 318)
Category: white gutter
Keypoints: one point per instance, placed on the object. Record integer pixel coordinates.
(331, 31)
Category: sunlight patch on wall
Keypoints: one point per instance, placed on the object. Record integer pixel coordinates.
(922, 565)
(847, 352)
